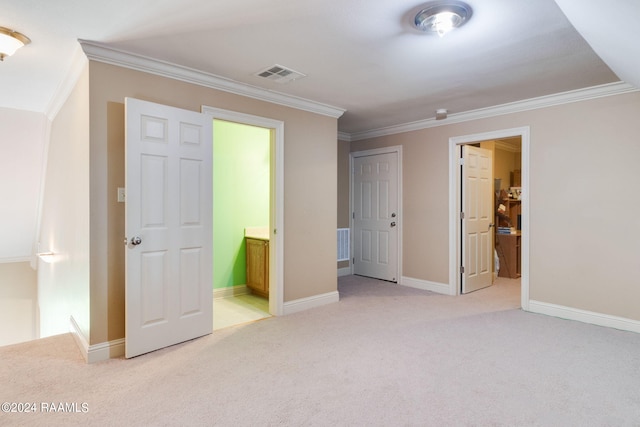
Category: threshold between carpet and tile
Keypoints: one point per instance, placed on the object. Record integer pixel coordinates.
(239, 309)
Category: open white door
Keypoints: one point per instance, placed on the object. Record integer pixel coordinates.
(375, 217)
(477, 221)
(168, 227)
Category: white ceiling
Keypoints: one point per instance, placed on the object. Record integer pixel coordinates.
(360, 55)
(363, 56)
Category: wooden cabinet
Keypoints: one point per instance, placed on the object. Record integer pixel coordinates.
(258, 266)
(508, 249)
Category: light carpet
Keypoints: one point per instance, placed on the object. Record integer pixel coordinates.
(385, 355)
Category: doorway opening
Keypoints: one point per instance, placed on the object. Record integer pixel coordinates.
(520, 220)
(248, 207)
(241, 187)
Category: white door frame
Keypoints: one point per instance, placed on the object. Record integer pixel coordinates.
(455, 144)
(385, 150)
(276, 215)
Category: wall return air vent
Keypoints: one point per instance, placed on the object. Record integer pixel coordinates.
(280, 74)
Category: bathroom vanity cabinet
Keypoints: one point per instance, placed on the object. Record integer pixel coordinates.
(258, 266)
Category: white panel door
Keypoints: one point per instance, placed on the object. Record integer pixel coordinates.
(375, 216)
(168, 226)
(477, 201)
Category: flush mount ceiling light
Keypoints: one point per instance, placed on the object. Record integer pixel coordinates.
(10, 41)
(442, 16)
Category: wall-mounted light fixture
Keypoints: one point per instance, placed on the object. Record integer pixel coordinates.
(440, 17)
(47, 257)
(10, 41)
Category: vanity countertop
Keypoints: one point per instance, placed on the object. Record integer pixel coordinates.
(261, 233)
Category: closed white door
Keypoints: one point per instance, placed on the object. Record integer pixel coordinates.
(375, 216)
(168, 226)
(477, 221)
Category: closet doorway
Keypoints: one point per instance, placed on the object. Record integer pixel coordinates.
(503, 139)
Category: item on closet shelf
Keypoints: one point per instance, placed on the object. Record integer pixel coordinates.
(506, 230)
(515, 193)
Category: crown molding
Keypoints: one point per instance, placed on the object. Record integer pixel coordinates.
(610, 89)
(344, 136)
(505, 146)
(108, 55)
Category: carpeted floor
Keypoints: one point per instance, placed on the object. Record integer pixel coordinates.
(385, 355)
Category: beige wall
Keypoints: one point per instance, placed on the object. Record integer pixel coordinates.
(504, 164)
(583, 174)
(22, 136)
(63, 285)
(18, 303)
(343, 190)
(425, 200)
(310, 197)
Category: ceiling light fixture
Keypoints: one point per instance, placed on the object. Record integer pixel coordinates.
(443, 16)
(10, 41)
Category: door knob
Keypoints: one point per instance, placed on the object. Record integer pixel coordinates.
(393, 224)
(135, 241)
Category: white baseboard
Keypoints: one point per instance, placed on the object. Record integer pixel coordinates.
(345, 271)
(231, 291)
(79, 338)
(302, 304)
(584, 316)
(106, 350)
(14, 260)
(97, 352)
(440, 288)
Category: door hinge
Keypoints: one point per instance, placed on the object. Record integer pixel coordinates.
(461, 161)
(461, 269)
(353, 261)
(461, 215)
(353, 215)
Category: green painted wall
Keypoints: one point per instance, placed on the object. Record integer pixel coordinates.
(241, 159)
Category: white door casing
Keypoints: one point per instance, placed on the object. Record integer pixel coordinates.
(168, 178)
(376, 215)
(477, 218)
(455, 144)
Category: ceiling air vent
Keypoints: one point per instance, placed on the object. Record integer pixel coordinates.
(280, 74)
